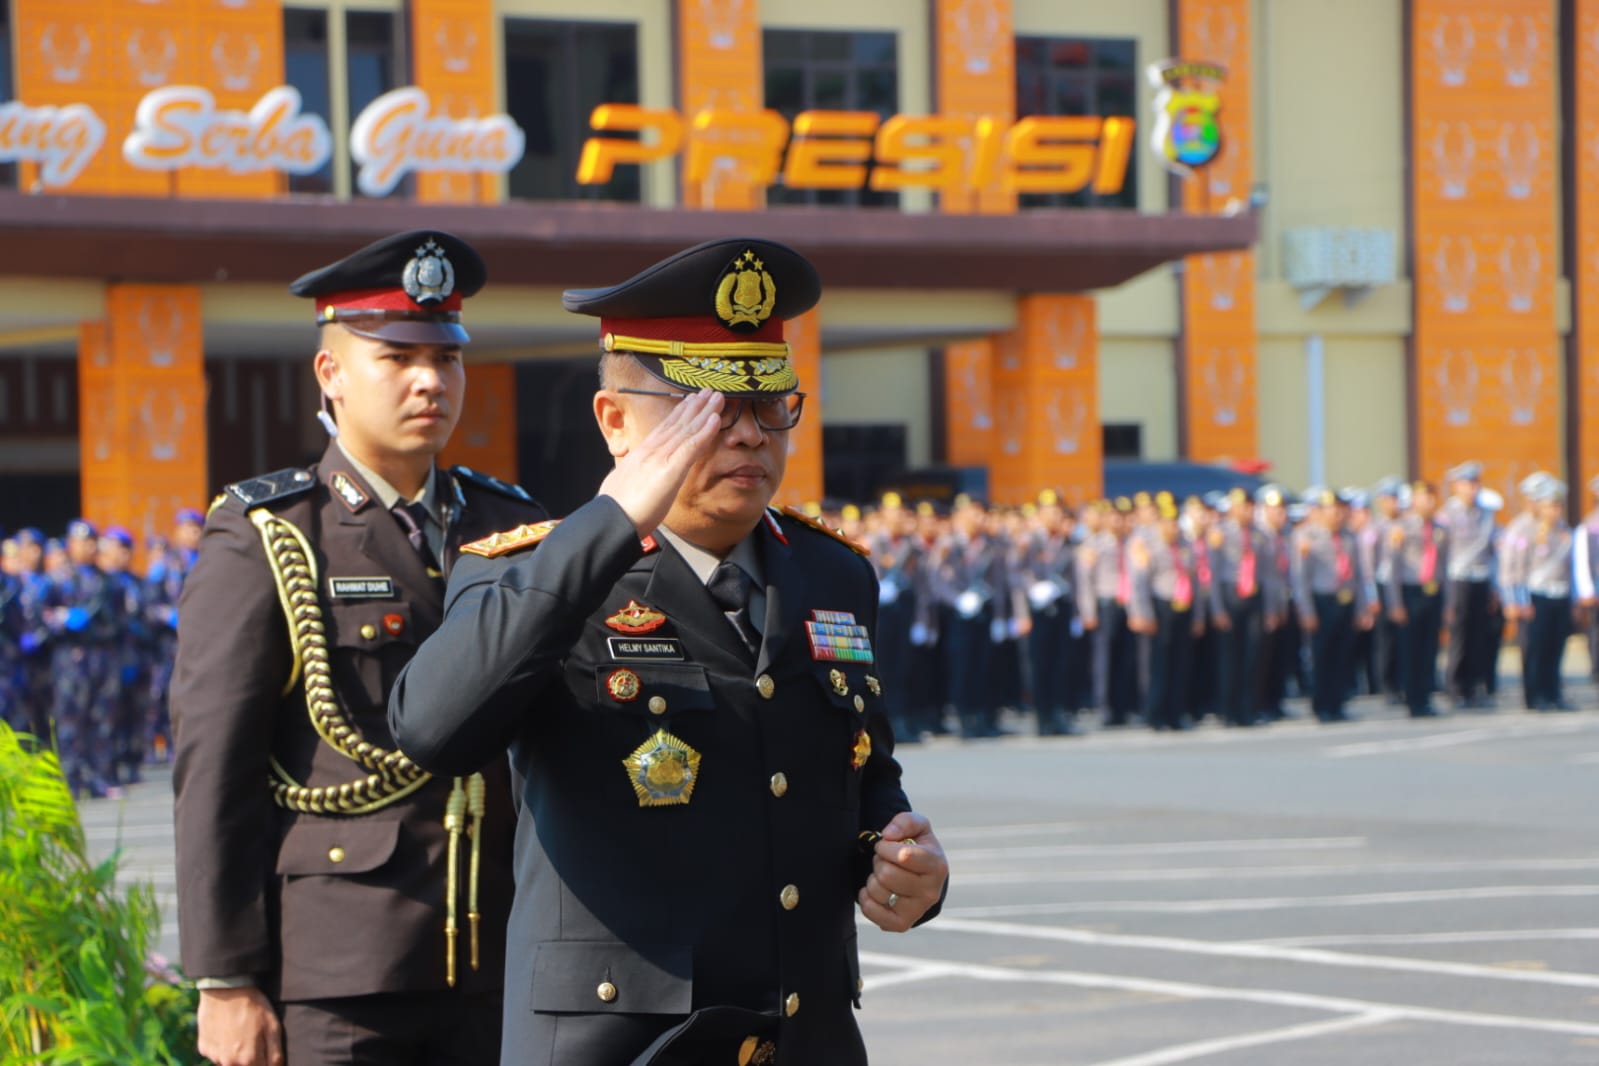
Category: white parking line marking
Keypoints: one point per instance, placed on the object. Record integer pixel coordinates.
(1174, 847)
(1484, 936)
(1015, 829)
(1451, 739)
(1235, 873)
(1202, 1048)
(1268, 952)
(1271, 997)
(1276, 903)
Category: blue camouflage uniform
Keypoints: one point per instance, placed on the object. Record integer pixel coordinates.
(83, 639)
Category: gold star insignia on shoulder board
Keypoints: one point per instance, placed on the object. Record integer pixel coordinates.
(816, 523)
(524, 536)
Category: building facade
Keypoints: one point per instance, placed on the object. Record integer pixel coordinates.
(1379, 271)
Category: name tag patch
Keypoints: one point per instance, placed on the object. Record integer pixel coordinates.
(362, 588)
(627, 649)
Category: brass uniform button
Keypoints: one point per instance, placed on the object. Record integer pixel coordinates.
(765, 686)
(335, 854)
(657, 704)
(789, 897)
(779, 784)
(606, 992)
(791, 1004)
(860, 704)
(369, 632)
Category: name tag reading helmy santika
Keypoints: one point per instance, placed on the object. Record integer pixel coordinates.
(362, 588)
(630, 649)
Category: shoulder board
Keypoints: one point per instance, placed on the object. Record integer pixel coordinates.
(269, 488)
(524, 536)
(812, 523)
(492, 484)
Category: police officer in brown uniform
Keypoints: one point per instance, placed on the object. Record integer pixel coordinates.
(687, 684)
(337, 903)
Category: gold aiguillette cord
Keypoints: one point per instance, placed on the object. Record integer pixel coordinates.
(476, 805)
(454, 821)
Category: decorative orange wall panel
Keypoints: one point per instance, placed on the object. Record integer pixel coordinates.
(803, 480)
(1586, 296)
(1484, 125)
(142, 408)
(719, 68)
(1046, 389)
(237, 50)
(485, 437)
(976, 48)
(969, 402)
(108, 54)
(1220, 410)
(452, 51)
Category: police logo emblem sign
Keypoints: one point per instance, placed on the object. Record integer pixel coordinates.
(1187, 105)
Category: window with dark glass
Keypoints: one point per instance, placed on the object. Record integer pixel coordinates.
(1079, 76)
(305, 66)
(8, 171)
(372, 63)
(556, 74)
(1122, 440)
(830, 70)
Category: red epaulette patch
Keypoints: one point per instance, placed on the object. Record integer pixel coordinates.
(524, 536)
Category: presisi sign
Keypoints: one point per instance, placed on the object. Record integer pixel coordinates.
(832, 149)
(179, 126)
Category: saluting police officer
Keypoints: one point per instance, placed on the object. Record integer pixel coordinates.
(338, 903)
(687, 684)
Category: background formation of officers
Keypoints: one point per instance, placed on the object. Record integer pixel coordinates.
(86, 645)
(1146, 610)
(1135, 608)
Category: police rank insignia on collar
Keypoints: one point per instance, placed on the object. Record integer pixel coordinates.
(524, 536)
(835, 637)
(636, 618)
(663, 770)
(347, 490)
(862, 750)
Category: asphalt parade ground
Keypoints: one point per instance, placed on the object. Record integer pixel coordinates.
(1382, 892)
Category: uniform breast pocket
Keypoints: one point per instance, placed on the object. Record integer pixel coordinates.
(852, 693)
(656, 690)
(372, 641)
(343, 848)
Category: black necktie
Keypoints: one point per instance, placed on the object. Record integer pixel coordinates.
(413, 518)
(730, 587)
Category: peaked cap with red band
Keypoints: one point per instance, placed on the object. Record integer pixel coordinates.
(406, 288)
(710, 316)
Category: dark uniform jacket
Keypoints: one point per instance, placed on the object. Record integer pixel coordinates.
(322, 905)
(630, 917)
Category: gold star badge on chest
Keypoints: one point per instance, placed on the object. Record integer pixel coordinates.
(663, 770)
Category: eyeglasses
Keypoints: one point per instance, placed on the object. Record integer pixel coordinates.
(774, 413)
